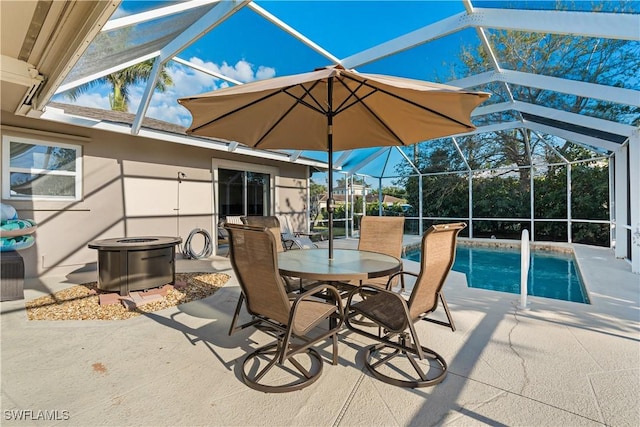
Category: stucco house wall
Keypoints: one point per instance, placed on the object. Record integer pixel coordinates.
(131, 188)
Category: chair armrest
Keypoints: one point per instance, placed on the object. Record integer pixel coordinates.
(307, 295)
(308, 233)
(319, 288)
(399, 273)
(367, 290)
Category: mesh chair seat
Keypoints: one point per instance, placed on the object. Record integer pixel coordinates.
(310, 315)
(270, 222)
(388, 312)
(381, 234)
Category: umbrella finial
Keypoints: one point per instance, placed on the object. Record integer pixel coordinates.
(336, 66)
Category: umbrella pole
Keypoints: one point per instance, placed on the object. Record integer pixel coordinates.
(330, 203)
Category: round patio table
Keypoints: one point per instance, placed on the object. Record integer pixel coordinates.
(346, 265)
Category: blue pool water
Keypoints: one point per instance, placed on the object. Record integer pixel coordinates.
(552, 275)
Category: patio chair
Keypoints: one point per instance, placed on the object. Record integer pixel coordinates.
(223, 236)
(382, 234)
(293, 239)
(233, 219)
(270, 222)
(393, 359)
(293, 284)
(295, 323)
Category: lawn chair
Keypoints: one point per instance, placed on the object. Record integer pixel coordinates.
(293, 239)
(290, 321)
(223, 236)
(396, 317)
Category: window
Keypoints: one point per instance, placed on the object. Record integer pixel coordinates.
(34, 169)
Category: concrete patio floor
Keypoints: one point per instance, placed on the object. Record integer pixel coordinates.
(556, 363)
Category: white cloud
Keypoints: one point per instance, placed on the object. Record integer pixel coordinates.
(265, 72)
(242, 71)
(120, 12)
(170, 113)
(186, 82)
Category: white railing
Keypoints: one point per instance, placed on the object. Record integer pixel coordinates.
(525, 258)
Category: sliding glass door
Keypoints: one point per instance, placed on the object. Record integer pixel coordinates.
(243, 192)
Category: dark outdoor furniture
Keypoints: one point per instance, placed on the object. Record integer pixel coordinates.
(397, 358)
(296, 322)
(12, 276)
(128, 264)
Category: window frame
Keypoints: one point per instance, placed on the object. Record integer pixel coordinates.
(7, 139)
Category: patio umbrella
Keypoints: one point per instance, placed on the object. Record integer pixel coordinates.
(332, 109)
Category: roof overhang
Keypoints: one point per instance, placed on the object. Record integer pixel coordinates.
(59, 115)
(40, 43)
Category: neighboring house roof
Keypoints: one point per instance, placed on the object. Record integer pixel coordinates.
(154, 125)
(387, 199)
(371, 198)
(338, 198)
(118, 117)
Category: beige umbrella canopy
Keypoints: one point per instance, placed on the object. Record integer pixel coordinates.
(332, 109)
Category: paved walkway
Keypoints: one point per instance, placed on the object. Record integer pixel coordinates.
(557, 363)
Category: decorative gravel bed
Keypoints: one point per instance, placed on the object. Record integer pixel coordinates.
(81, 302)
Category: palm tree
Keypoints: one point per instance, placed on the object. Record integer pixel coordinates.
(120, 81)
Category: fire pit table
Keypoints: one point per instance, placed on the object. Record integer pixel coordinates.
(129, 264)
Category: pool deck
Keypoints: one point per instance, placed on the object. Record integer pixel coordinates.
(554, 363)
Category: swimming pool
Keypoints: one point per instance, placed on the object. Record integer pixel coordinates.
(552, 275)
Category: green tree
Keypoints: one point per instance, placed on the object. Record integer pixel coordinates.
(316, 191)
(121, 81)
(600, 61)
(373, 209)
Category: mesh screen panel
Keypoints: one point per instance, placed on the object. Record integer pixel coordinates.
(127, 43)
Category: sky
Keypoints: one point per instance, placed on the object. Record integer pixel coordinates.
(246, 47)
